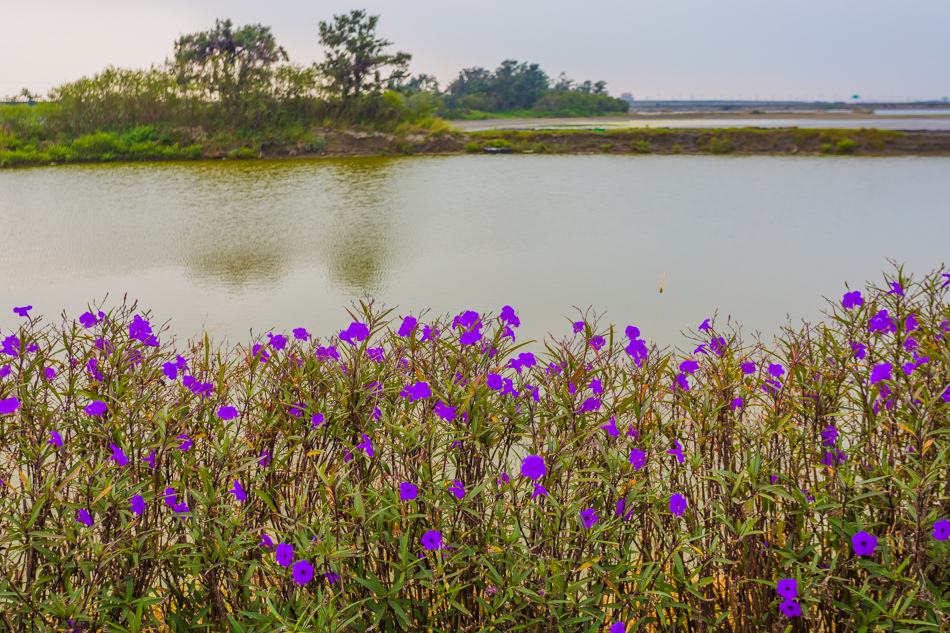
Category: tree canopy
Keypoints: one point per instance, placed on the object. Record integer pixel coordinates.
(356, 59)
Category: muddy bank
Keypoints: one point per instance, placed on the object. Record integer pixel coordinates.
(633, 141)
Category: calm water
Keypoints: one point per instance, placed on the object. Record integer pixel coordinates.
(231, 246)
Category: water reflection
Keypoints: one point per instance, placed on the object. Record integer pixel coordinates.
(364, 238)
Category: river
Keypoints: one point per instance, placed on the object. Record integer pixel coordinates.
(230, 246)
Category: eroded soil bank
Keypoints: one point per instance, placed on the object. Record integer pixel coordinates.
(627, 141)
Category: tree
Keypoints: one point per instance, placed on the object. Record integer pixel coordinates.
(228, 62)
(356, 58)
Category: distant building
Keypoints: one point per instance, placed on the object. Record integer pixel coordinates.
(626, 96)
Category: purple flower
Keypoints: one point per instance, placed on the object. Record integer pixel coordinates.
(579, 326)
(407, 491)
(834, 459)
(591, 404)
(303, 572)
(677, 504)
(266, 540)
(408, 326)
(9, 405)
(508, 316)
(465, 320)
(914, 364)
(84, 517)
(736, 403)
(881, 372)
(96, 407)
(597, 342)
(5, 371)
(790, 608)
(860, 351)
(11, 346)
(238, 491)
(681, 382)
(689, 366)
(150, 459)
(717, 345)
(429, 334)
(677, 450)
(296, 409)
(880, 322)
(852, 300)
(589, 518)
(895, 289)
(748, 368)
(366, 445)
(431, 540)
(638, 459)
(355, 333)
(618, 627)
(138, 505)
(771, 387)
(776, 371)
(494, 381)
(285, 554)
(418, 391)
(185, 443)
(141, 330)
(227, 413)
(533, 467)
(620, 504)
(611, 428)
(88, 319)
(49, 373)
(637, 349)
(701, 350)
(317, 419)
(24, 311)
(470, 338)
(445, 412)
(277, 341)
(504, 479)
(301, 334)
(632, 332)
(457, 489)
(539, 491)
(169, 496)
(864, 543)
(704, 326)
(265, 459)
(942, 530)
(331, 577)
(787, 588)
(118, 455)
(828, 435)
(56, 439)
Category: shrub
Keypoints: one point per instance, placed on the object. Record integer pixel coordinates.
(825, 148)
(642, 146)
(721, 145)
(472, 147)
(242, 153)
(666, 487)
(676, 149)
(497, 142)
(845, 146)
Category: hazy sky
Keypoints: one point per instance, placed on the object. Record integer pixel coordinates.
(805, 49)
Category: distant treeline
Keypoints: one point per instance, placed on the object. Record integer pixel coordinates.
(237, 81)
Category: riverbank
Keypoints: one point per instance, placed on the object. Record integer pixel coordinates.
(187, 145)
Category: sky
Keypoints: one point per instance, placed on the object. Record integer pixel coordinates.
(889, 50)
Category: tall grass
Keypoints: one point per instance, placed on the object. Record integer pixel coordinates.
(764, 500)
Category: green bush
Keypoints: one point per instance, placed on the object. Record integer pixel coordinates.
(825, 148)
(845, 146)
(149, 510)
(242, 153)
(720, 145)
(497, 142)
(641, 146)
